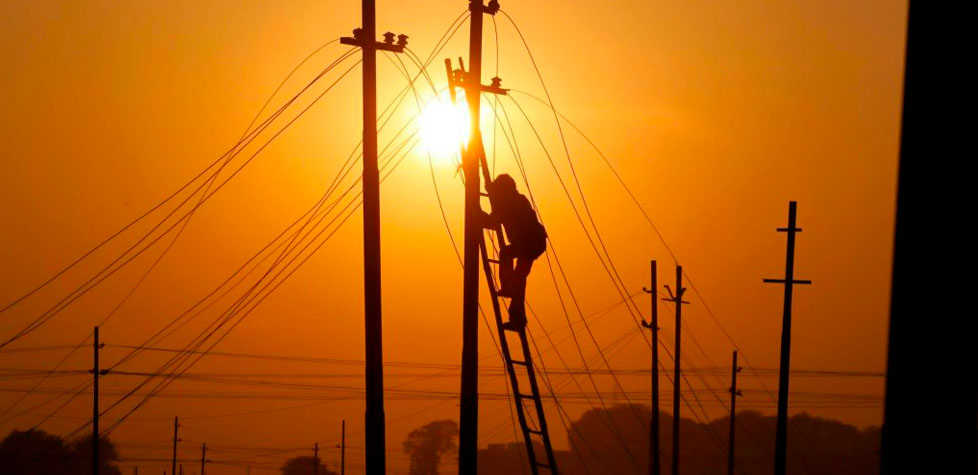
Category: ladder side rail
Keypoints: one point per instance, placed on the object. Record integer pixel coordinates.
(507, 357)
(538, 401)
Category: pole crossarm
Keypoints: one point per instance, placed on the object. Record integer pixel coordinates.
(462, 79)
(646, 324)
(358, 39)
(783, 281)
(677, 298)
(476, 6)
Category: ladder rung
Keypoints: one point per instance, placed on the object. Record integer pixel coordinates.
(494, 261)
(525, 396)
(524, 363)
(484, 194)
(533, 431)
(538, 464)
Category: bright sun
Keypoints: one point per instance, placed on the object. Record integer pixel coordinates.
(444, 127)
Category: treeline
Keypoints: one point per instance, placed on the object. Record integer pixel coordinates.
(617, 441)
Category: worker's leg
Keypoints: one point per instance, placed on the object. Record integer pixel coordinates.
(517, 310)
(506, 271)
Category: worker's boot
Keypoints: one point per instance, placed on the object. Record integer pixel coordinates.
(517, 317)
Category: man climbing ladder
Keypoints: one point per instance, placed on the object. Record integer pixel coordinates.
(527, 241)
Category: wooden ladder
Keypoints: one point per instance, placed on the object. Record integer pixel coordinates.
(529, 406)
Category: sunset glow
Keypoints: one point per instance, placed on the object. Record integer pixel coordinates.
(444, 127)
(203, 184)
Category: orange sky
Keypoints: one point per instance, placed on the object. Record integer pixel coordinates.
(715, 115)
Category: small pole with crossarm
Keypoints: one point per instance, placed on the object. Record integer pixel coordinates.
(780, 448)
(734, 392)
(677, 299)
(654, 464)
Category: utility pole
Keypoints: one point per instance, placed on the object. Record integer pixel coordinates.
(469, 403)
(203, 457)
(343, 448)
(315, 459)
(654, 462)
(780, 443)
(176, 424)
(676, 298)
(365, 38)
(734, 392)
(96, 372)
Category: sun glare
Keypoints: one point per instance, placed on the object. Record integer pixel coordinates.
(444, 127)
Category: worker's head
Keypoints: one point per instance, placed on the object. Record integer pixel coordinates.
(503, 184)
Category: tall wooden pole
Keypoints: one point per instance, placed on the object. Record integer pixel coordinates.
(469, 403)
(203, 457)
(780, 442)
(343, 448)
(376, 451)
(654, 462)
(734, 392)
(365, 38)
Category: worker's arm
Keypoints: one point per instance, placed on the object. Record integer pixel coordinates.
(489, 220)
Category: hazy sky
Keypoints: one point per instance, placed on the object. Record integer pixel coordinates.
(715, 114)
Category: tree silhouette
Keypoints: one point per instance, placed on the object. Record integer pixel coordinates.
(81, 449)
(815, 445)
(305, 465)
(428, 443)
(36, 452)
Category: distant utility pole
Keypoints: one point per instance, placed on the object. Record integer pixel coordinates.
(315, 459)
(343, 448)
(654, 463)
(676, 298)
(96, 372)
(780, 442)
(469, 401)
(176, 424)
(734, 392)
(365, 38)
(203, 457)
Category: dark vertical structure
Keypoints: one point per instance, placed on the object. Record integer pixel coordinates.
(901, 406)
(315, 459)
(781, 438)
(676, 298)
(365, 38)
(203, 457)
(930, 357)
(176, 424)
(469, 404)
(734, 392)
(376, 449)
(95, 374)
(654, 462)
(343, 448)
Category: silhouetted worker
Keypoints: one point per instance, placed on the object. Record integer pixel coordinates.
(527, 241)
